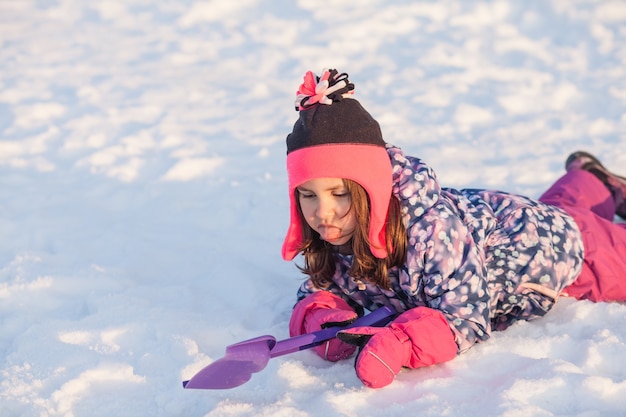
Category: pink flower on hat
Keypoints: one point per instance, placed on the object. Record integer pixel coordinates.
(331, 86)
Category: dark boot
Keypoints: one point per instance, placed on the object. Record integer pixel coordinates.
(615, 184)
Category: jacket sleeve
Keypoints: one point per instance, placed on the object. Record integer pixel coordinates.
(307, 288)
(448, 273)
(445, 268)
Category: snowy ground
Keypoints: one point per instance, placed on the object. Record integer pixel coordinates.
(143, 194)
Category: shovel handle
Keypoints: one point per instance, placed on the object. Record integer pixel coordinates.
(378, 317)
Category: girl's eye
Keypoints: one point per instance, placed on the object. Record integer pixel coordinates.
(306, 195)
(343, 194)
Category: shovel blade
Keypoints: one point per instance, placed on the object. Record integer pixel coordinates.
(236, 367)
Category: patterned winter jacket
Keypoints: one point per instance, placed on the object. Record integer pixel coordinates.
(485, 259)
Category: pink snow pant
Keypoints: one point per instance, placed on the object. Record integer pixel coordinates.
(589, 202)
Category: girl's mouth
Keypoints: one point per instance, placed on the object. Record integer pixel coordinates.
(329, 233)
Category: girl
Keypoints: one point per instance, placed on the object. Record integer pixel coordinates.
(375, 228)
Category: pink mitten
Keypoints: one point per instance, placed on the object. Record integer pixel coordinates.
(320, 310)
(418, 337)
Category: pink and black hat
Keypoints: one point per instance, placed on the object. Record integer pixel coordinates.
(335, 137)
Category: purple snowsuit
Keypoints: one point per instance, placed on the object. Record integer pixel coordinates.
(485, 259)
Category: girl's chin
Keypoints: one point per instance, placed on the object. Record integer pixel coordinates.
(330, 234)
(334, 235)
(338, 240)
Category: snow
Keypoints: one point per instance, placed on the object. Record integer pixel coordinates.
(143, 193)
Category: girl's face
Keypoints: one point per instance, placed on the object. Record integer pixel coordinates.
(326, 206)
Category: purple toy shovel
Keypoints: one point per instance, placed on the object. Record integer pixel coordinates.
(250, 356)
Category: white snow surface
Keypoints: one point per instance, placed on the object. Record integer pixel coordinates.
(143, 194)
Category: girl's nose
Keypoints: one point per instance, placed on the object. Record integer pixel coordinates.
(325, 208)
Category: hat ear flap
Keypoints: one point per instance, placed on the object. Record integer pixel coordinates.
(293, 239)
(378, 241)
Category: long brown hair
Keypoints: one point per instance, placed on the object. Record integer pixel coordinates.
(319, 256)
